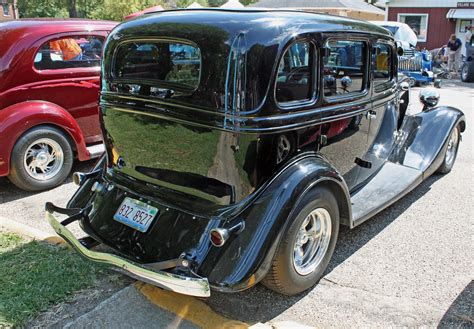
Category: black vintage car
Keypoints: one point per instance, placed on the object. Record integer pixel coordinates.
(239, 141)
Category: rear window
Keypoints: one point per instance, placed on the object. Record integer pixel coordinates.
(148, 62)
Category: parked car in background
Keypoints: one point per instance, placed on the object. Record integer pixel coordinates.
(415, 64)
(49, 87)
(236, 148)
(402, 33)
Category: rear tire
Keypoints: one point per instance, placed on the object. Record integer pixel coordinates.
(307, 245)
(41, 159)
(451, 152)
(467, 72)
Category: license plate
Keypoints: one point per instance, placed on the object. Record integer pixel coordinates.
(135, 214)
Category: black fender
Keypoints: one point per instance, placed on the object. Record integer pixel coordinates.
(246, 258)
(423, 137)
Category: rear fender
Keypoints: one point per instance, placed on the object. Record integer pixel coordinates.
(16, 119)
(423, 137)
(246, 258)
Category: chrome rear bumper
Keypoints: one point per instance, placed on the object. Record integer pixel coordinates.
(177, 283)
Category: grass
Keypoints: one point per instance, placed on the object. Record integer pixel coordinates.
(36, 275)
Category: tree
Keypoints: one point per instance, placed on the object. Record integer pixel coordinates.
(41, 8)
(218, 3)
(247, 2)
(117, 9)
(71, 6)
(102, 9)
(185, 3)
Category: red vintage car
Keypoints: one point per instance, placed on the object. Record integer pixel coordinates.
(49, 85)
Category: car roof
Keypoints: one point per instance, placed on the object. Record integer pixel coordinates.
(61, 23)
(27, 31)
(287, 18)
(259, 26)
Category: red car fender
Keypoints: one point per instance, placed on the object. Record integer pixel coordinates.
(19, 118)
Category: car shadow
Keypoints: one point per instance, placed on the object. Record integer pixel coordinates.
(9, 192)
(260, 304)
(461, 312)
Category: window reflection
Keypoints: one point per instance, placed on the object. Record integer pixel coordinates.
(162, 61)
(344, 67)
(295, 74)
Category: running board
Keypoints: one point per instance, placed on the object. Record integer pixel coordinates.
(96, 151)
(391, 183)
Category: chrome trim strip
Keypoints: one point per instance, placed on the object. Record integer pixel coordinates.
(184, 285)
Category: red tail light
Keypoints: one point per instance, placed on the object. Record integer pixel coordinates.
(219, 236)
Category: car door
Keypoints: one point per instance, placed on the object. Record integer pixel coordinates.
(383, 115)
(67, 68)
(347, 105)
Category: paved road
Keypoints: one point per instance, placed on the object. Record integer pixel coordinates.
(410, 265)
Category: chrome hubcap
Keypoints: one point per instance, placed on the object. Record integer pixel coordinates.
(312, 241)
(43, 159)
(452, 147)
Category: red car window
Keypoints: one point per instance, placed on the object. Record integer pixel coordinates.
(69, 52)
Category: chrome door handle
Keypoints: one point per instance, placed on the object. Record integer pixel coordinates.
(371, 115)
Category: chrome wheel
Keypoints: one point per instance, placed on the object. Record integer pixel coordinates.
(43, 159)
(283, 148)
(452, 147)
(312, 241)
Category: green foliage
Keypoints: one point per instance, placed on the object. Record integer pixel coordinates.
(216, 3)
(42, 8)
(247, 2)
(103, 9)
(117, 9)
(185, 3)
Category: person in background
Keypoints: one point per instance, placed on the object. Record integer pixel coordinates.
(69, 48)
(454, 53)
(468, 36)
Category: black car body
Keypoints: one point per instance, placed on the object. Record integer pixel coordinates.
(227, 123)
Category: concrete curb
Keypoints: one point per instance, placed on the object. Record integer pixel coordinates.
(22, 229)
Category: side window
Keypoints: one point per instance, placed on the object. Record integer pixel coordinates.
(381, 63)
(344, 67)
(69, 52)
(295, 74)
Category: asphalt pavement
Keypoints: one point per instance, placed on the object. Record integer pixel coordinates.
(410, 265)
